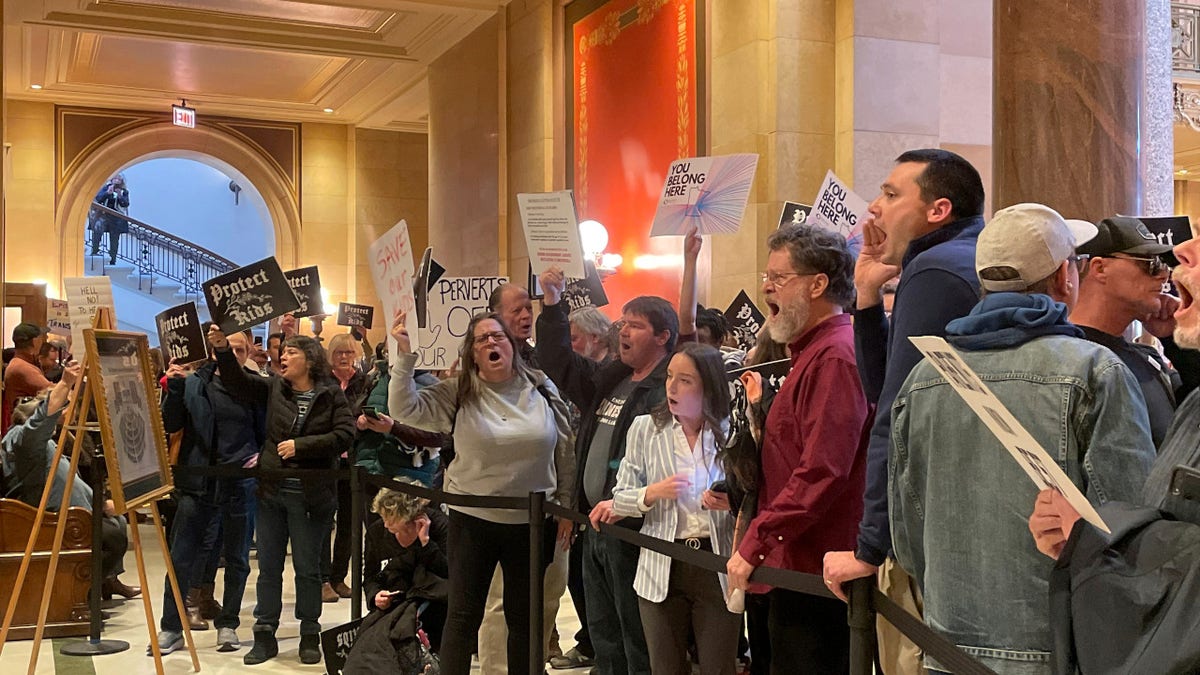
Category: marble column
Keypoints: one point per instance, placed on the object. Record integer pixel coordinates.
(1070, 102)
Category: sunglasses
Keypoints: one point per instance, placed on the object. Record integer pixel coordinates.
(1154, 266)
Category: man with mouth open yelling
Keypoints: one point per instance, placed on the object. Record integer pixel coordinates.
(609, 397)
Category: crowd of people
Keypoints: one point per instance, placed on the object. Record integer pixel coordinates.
(863, 461)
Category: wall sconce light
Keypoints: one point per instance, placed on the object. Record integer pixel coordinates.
(594, 238)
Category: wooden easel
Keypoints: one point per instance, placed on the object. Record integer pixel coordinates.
(75, 420)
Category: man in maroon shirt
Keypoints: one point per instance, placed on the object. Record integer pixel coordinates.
(814, 450)
(23, 376)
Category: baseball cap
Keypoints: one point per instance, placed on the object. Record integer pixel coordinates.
(26, 332)
(1024, 244)
(1123, 234)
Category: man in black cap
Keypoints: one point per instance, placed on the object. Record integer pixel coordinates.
(23, 376)
(1120, 280)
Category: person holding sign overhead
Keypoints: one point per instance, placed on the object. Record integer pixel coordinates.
(512, 436)
(308, 425)
(958, 500)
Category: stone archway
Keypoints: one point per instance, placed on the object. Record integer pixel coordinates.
(204, 144)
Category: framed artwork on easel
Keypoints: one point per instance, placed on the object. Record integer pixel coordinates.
(131, 426)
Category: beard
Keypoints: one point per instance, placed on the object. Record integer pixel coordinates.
(1187, 337)
(785, 326)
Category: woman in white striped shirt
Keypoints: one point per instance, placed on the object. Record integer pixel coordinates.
(669, 466)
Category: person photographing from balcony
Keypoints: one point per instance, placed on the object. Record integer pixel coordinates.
(115, 196)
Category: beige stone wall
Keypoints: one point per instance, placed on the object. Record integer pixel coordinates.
(30, 249)
(466, 189)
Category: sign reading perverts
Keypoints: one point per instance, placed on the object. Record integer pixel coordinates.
(249, 296)
(306, 284)
(794, 213)
(392, 270)
(709, 192)
(552, 232)
(179, 334)
(1034, 460)
(746, 320)
(452, 303)
(839, 210)
(350, 314)
(85, 295)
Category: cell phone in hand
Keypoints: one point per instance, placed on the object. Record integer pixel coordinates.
(719, 486)
(392, 594)
(370, 411)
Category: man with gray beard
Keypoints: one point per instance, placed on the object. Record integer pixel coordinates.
(814, 448)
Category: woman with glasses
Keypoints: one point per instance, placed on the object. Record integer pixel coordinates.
(511, 437)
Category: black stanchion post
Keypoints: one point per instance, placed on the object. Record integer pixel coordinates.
(537, 515)
(356, 526)
(861, 618)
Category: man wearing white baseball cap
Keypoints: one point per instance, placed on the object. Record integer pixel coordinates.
(959, 502)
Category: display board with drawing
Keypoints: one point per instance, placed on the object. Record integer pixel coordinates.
(131, 425)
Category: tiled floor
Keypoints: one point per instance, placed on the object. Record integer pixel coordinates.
(128, 623)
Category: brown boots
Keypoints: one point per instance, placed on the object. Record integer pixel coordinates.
(209, 607)
(192, 604)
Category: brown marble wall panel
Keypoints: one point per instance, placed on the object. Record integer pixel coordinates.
(1068, 79)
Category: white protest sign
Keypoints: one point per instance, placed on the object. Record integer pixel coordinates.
(392, 270)
(85, 295)
(839, 210)
(1037, 463)
(58, 317)
(552, 232)
(452, 302)
(709, 192)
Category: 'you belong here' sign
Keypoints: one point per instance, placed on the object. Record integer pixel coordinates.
(249, 296)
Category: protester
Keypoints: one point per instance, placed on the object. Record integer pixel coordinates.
(925, 221)
(405, 559)
(274, 346)
(25, 454)
(308, 425)
(50, 360)
(512, 303)
(591, 334)
(528, 451)
(667, 477)
(114, 196)
(1121, 281)
(344, 353)
(23, 375)
(384, 447)
(211, 513)
(951, 482)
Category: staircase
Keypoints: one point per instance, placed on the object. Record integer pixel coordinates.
(153, 262)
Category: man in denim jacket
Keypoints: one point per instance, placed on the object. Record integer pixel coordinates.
(959, 502)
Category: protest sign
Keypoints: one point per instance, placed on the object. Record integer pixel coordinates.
(452, 303)
(392, 270)
(1033, 459)
(306, 284)
(350, 314)
(179, 334)
(336, 644)
(1170, 230)
(794, 213)
(745, 319)
(586, 292)
(249, 296)
(839, 210)
(58, 317)
(85, 295)
(552, 232)
(708, 192)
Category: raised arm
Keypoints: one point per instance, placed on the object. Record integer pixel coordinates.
(692, 242)
(574, 375)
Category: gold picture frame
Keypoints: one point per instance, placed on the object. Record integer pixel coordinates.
(131, 426)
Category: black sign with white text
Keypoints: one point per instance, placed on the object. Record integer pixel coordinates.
(249, 295)
(794, 213)
(306, 284)
(350, 314)
(179, 334)
(745, 319)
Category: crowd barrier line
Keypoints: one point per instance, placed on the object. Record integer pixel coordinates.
(865, 599)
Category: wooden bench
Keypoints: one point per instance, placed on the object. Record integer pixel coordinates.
(67, 614)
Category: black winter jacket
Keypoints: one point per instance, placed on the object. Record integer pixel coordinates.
(327, 432)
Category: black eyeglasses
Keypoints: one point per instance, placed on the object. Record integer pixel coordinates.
(1154, 266)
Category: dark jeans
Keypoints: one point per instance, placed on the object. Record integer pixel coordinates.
(334, 569)
(113, 239)
(808, 633)
(476, 546)
(114, 542)
(224, 508)
(583, 639)
(615, 624)
(282, 517)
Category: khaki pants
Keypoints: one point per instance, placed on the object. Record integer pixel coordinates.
(493, 634)
(897, 654)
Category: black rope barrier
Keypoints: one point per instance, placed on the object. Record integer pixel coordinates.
(865, 600)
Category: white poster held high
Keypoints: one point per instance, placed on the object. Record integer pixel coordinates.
(838, 209)
(1037, 463)
(392, 270)
(709, 192)
(552, 232)
(85, 295)
(452, 302)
